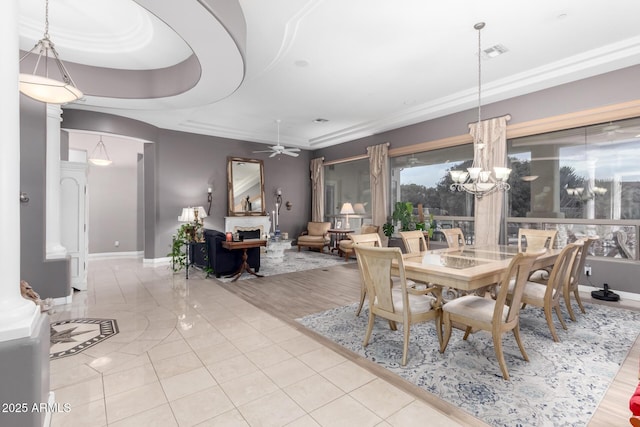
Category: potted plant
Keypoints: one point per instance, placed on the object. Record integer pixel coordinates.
(190, 232)
(403, 212)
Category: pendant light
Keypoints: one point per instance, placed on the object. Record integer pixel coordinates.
(478, 179)
(42, 87)
(99, 156)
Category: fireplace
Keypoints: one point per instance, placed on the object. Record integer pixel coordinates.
(235, 224)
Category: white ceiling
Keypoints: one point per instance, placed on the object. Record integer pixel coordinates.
(366, 66)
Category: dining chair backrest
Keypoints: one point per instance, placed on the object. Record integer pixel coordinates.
(561, 272)
(517, 274)
(374, 264)
(414, 241)
(580, 259)
(536, 239)
(454, 236)
(367, 239)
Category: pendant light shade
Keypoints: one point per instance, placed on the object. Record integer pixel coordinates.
(99, 156)
(43, 88)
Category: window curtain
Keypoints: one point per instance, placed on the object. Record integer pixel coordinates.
(489, 209)
(317, 189)
(379, 173)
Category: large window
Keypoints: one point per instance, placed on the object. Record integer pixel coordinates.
(347, 182)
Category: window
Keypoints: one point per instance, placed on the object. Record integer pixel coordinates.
(347, 182)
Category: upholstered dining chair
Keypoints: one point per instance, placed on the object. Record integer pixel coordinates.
(401, 303)
(346, 245)
(368, 239)
(547, 295)
(536, 239)
(454, 236)
(414, 241)
(493, 315)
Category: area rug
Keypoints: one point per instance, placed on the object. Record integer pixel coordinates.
(295, 261)
(69, 337)
(561, 385)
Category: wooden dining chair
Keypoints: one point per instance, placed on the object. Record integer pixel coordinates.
(402, 303)
(366, 239)
(536, 239)
(454, 236)
(571, 286)
(474, 312)
(414, 241)
(547, 295)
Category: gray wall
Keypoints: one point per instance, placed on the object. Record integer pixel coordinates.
(178, 168)
(50, 279)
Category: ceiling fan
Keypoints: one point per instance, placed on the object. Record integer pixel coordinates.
(280, 149)
(412, 161)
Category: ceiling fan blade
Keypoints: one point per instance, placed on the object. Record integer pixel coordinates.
(264, 151)
(289, 153)
(275, 153)
(292, 149)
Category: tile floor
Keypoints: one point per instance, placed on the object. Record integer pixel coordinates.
(189, 353)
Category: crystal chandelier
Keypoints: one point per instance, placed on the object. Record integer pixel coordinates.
(478, 179)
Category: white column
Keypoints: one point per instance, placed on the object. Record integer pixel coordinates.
(54, 246)
(17, 315)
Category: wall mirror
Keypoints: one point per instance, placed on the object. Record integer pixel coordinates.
(245, 178)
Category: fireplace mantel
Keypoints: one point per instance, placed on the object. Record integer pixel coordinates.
(234, 223)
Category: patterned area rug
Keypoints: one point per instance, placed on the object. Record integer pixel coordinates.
(561, 385)
(69, 337)
(294, 261)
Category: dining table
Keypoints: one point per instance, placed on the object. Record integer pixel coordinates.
(466, 269)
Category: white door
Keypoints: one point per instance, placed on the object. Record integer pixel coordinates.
(73, 218)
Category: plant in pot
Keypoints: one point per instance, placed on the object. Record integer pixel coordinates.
(403, 212)
(190, 232)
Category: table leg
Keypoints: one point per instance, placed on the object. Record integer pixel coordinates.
(244, 267)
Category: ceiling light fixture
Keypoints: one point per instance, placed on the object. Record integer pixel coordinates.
(99, 156)
(478, 180)
(44, 88)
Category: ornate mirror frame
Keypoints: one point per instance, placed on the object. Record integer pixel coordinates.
(245, 183)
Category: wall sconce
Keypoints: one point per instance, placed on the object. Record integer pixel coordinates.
(209, 199)
(289, 205)
(278, 198)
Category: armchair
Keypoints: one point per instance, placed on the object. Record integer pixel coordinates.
(315, 236)
(346, 245)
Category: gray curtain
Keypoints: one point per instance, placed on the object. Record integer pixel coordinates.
(317, 189)
(379, 182)
(489, 208)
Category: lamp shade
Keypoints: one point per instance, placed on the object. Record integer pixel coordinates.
(188, 214)
(347, 209)
(359, 208)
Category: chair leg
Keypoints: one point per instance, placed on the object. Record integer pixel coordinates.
(363, 294)
(497, 346)
(392, 325)
(559, 314)
(369, 329)
(576, 293)
(567, 302)
(516, 333)
(467, 331)
(446, 319)
(439, 328)
(405, 347)
(548, 316)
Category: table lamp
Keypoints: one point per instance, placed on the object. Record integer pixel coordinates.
(347, 209)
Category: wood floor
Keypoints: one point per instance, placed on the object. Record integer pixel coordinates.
(294, 295)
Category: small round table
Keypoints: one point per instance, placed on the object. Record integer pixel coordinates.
(338, 234)
(275, 250)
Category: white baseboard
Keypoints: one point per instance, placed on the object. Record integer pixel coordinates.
(113, 255)
(623, 295)
(63, 300)
(156, 261)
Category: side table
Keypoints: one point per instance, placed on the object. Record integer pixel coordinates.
(276, 248)
(338, 234)
(244, 245)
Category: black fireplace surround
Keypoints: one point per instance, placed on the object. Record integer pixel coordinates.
(223, 261)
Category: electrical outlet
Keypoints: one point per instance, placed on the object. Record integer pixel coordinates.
(587, 270)
(116, 243)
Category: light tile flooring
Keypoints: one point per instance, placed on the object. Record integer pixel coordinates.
(190, 353)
